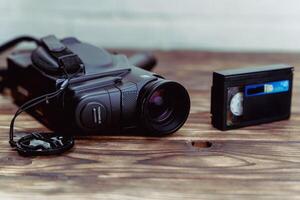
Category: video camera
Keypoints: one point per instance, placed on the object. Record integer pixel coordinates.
(77, 88)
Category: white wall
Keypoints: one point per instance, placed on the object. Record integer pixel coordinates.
(251, 25)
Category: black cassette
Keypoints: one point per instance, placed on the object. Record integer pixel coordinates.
(249, 96)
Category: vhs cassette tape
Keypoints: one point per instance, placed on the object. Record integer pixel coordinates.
(248, 96)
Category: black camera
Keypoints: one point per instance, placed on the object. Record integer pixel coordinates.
(104, 92)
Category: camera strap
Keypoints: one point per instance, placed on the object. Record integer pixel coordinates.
(37, 143)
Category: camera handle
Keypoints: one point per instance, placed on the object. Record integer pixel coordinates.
(144, 60)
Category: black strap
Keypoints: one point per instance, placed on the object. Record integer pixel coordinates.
(17, 40)
(39, 144)
(67, 60)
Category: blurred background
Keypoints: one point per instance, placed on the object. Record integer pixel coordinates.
(214, 25)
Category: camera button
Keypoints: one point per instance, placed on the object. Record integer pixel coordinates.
(93, 115)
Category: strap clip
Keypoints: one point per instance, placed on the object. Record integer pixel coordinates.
(71, 63)
(53, 44)
(68, 61)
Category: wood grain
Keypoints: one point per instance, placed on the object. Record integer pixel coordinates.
(198, 162)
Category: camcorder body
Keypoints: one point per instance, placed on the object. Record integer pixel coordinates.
(108, 93)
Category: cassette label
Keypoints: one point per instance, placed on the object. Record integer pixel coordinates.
(267, 88)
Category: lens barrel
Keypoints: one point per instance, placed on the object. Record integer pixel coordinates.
(164, 107)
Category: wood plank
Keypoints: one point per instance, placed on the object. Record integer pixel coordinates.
(198, 162)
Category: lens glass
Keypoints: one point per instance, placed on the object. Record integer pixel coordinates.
(165, 107)
(160, 105)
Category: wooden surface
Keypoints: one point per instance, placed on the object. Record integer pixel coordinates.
(198, 162)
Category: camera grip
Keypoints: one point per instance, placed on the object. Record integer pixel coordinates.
(144, 60)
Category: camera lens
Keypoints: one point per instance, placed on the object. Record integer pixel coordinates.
(165, 107)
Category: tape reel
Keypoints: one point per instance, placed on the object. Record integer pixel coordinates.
(235, 109)
(236, 104)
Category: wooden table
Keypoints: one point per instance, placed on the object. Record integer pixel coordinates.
(198, 162)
